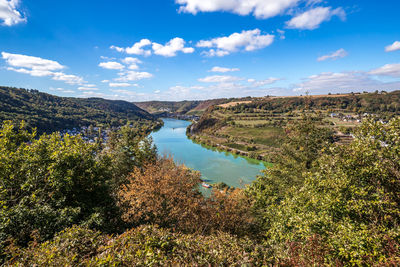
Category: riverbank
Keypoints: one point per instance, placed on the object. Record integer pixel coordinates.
(210, 142)
(214, 164)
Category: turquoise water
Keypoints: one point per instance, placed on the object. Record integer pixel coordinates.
(215, 166)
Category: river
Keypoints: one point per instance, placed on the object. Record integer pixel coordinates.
(215, 166)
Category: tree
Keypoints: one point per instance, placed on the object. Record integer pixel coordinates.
(164, 194)
(50, 183)
(349, 202)
(305, 142)
(128, 148)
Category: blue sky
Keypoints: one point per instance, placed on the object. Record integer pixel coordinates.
(199, 49)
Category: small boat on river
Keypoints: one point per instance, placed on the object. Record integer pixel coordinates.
(206, 185)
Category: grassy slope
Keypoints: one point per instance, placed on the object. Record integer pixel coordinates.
(256, 128)
(48, 112)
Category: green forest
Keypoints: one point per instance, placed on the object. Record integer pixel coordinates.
(65, 201)
(49, 113)
(68, 202)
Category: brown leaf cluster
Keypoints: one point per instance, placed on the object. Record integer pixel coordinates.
(168, 195)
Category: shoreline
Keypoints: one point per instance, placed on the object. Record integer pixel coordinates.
(236, 152)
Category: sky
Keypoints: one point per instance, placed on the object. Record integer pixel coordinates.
(174, 50)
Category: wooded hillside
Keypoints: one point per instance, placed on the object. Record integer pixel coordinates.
(52, 113)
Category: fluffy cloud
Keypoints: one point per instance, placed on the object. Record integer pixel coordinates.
(29, 62)
(136, 49)
(68, 78)
(32, 72)
(119, 84)
(9, 13)
(131, 75)
(344, 81)
(341, 53)
(87, 88)
(211, 91)
(171, 48)
(391, 70)
(262, 83)
(132, 62)
(218, 90)
(39, 67)
(219, 79)
(223, 70)
(246, 40)
(111, 65)
(393, 47)
(215, 53)
(312, 18)
(259, 8)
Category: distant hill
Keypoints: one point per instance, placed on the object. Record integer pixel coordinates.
(255, 127)
(51, 113)
(196, 107)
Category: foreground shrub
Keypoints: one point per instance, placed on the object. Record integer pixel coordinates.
(70, 247)
(164, 194)
(349, 201)
(50, 183)
(168, 195)
(230, 212)
(144, 246)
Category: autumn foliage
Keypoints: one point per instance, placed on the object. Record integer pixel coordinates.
(168, 195)
(163, 194)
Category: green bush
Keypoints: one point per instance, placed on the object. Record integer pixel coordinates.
(52, 182)
(349, 201)
(143, 246)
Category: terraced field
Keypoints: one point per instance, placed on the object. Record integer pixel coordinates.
(256, 128)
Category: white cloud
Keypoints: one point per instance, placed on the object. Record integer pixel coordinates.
(262, 83)
(215, 53)
(32, 72)
(219, 79)
(68, 78)
(341, 53)
(262, 9)
(217, 90)
(128, 76)
(171, 48)
(9, 13)
(90, 85)
(111, 65)
(344, 82)
(117, 48)
(393, 47)
(281, 34)
(391, 70)
(247, 40)
(29, 62)
(39, 67)
(132, 62)
(223, 70)
(87, 88)
(136, 49)
(312, 18)
(120, 84)
(62, 90)
(107, 58)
